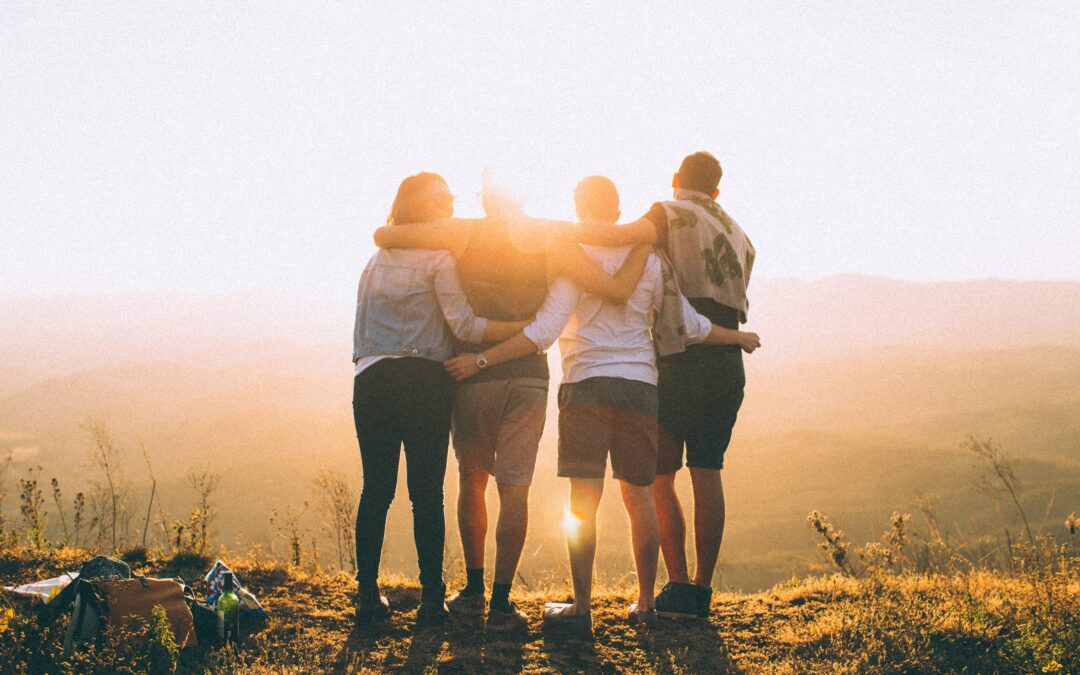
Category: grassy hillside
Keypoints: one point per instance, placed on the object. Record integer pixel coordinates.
(974, 622)
(857, 438)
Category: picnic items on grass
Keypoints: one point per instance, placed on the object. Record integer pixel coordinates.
(250, 609)
(110, 603)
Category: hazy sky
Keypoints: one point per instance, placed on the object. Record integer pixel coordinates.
(221, 147)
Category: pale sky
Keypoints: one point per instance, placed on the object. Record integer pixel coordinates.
(225, 147)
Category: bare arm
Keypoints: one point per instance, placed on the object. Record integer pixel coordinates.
(550, 321)
(641, 231)
(464, 366)
(568, 260)
(451, 234)
(500, 330)
(746, 340)
(700, 330)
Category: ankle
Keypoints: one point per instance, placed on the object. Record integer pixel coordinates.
(579, 608)
(474, 581)
(500, 596)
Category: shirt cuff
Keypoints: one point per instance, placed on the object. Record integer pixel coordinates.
(536, 336)
(479, 327)
(703, 328)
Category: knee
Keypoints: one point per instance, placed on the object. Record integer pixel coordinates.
(376, 496)
(513, 496)
(427, 498)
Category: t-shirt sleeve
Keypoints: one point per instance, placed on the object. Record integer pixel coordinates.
(658, 216)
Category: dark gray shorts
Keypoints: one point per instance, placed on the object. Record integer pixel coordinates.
(608, 414)
(701, 392)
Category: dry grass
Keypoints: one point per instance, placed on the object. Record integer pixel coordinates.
(979, 622)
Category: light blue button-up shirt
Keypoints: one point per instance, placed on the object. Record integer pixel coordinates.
(410, 303)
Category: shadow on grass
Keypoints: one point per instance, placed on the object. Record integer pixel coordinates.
(570, 651)
(685, 646)
(473, 648)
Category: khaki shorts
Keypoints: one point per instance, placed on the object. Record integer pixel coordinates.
(497, 426)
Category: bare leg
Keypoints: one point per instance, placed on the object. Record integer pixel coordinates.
(645, 533)
(472, 516)
(581, 539)
(709, 514)
(510, 530)
(672, 527)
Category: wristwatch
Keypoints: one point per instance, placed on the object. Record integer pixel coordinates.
(481, 361)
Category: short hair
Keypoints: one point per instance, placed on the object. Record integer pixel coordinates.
(701, 172)
(596, 198)
(413, 201)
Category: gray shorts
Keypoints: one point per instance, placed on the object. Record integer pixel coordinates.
(497, 426)
(602, 415)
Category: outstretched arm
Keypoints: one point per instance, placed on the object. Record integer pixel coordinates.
(451, 234)
(568, 260)
(641, 231)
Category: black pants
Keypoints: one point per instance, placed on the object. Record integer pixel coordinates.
(399, 402)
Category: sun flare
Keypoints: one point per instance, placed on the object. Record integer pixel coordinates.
(571, 524)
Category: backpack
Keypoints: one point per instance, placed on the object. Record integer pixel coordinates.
(102, 603)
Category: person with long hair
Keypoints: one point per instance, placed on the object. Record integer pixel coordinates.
(410, 306)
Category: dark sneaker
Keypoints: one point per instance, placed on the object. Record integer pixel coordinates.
(678, 601)
(509, 619)
(641, 617)
(467, 605)
(432, 609)
(704, 601)
(371, 608)
(555, 617)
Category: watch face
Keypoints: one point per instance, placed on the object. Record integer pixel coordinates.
(481, 361)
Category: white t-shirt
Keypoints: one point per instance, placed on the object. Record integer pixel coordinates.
(606, 340)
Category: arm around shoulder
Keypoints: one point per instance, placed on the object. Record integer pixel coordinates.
(451, 234)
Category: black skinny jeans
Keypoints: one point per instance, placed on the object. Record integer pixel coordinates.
(397, 402)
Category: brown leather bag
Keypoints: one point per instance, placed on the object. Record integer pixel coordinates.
(137, 597)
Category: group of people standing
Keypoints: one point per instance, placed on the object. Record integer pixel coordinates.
(452, 321)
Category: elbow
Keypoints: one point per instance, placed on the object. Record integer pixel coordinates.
(380, 237)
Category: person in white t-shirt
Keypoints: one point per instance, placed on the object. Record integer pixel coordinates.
(607, 402)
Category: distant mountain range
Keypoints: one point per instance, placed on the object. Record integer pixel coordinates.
(795, 318)
(858, 313)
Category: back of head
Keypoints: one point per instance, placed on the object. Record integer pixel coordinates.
(701, 172)
(419, 199)
(597, 199)
(498, 198)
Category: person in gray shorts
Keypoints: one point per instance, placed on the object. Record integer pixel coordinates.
(498, 416)
(608, 403)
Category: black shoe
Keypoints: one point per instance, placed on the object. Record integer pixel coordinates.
(432, 609)
(678, 601)
(704, 601)
(371, 607)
